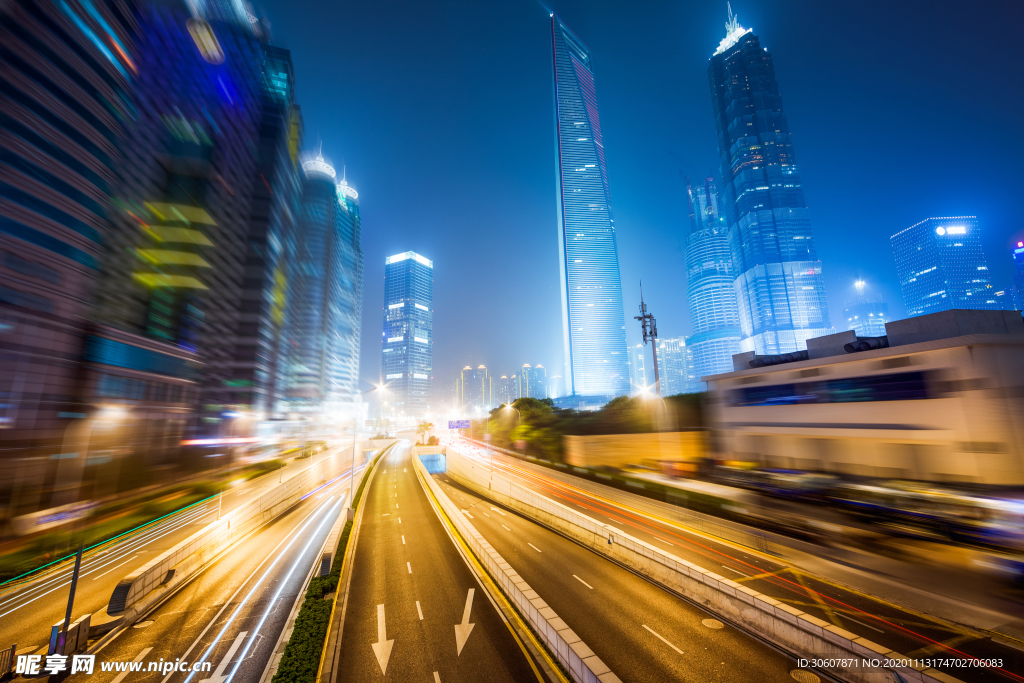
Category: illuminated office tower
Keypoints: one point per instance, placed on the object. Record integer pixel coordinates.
(779, 286)
(637, 373)
(533, 382)
(475, 389)
(347, 306)
(1018, 274)
(676, 368)
(505, 389)
(866, 314)
(941, 266)
(714, 312)
(593, 328)
(407, 358)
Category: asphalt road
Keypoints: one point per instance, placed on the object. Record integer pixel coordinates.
(29, 608)
(642, 633)
(905, 631)
(232, 614)
(410, 581)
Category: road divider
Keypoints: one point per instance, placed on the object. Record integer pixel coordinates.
(147, 585)
(801, 634)
(571, 652)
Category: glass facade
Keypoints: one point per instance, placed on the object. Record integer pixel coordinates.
(676, 368)
(407, 363)
(941, 266)
(867, 318)
(1018, 274)
(779, 286)
(533, 382)
(593, 325)
(637, 373)
(714, 312)
(475, 389)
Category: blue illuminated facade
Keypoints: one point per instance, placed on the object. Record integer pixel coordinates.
(408, 336)
(779, 286)
(593, 327)
(714, 312)
(941, 266)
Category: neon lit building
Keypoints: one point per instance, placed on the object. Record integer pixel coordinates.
(941, 266)
(408, 337)
(714, 311)
(593, 326)
(779, 285)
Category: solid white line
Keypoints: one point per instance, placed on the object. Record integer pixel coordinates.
(583, 582)
(110, 570)
(418, 610)
(534, 547)
(120, 676)
(506, 527)
(657, 635)
(862, 623)
(409, 566)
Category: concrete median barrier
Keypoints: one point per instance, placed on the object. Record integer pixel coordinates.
(573, 654)
(801, 634)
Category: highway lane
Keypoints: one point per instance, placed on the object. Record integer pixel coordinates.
(411, 588)
(905, 631)
(232, 614)
(642, 633)
(29, 608)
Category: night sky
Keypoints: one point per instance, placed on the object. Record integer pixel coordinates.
(442, 113)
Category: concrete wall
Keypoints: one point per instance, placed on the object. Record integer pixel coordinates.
(617, 450)
(795, 631)
(578, 659)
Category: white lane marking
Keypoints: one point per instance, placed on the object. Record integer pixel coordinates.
(506, 527)
(463, 630)
(120, 676)
(662, 639)
(396, 505)
(403, 540)
(862, 623)
(486, 515)
(409, 566)
(399, 520)
(534, 547)
(497, 510)
(218, 673)
(665, 542)
(466, 512)
(419, 610)
(583, 582)
(386, 514)
(736, 570)
(382, 648)
(437, 679)
(110, 570)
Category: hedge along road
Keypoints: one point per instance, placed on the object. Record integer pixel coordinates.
(415, 611)
(232, 614)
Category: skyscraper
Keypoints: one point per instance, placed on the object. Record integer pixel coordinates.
(637, 373)
(865, 314)
(475, 389)
(533, 382)
(593, 326)
(714, 312)
(779, 285)
(675, 368)
(407, 363)
(1018, 273)
(941, 266)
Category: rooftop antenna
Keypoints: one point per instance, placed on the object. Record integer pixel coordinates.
(649, 328)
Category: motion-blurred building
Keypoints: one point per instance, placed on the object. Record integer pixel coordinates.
(941, 266)
(1018, 274)
(676, 368)
(533, 382)
(937, 399)
(714, 312)
(865, 314)
(506, 389)
(475, 389)
(593, 326)
(779, 285)
(407, 363)
(637, 364)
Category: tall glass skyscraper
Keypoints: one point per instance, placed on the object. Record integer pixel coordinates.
(779, 285)
(714, 313)
(1018, 274)
(593, 326)
(407, 363)
(941, 266)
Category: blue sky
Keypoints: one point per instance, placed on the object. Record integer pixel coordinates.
(442, 113)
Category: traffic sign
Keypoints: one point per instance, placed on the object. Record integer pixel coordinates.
(458, 424)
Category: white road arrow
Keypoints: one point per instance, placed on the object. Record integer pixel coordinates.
(218, 675)
(382, 648)
(463, 630)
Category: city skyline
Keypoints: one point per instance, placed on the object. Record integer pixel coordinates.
(885, 81)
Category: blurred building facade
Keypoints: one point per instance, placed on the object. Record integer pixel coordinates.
(593, 326)
(866, 318)
(938, 403)
(676, 367)
(637, 365)
(407, 363)
(1018, 273)
(714, 311)
(475, 389)
(941, 266)
(506, 389)
(533, 382)
(779, 286)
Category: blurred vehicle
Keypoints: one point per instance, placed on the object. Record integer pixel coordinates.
(781, 483)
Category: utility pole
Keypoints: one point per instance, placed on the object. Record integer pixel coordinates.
(649, 327)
